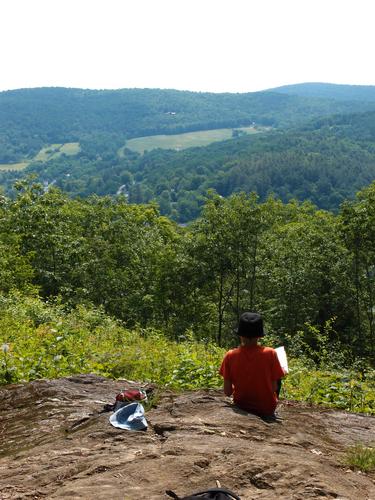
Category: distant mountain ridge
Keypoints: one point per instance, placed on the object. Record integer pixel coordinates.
(317, 149)
(339, 92)
(326, 161)
(33, 118)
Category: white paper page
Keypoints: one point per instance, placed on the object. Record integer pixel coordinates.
(281, 354)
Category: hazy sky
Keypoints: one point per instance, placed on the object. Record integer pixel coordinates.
(201, 45)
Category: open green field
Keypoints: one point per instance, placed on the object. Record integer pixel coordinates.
(45, 154)
(184, 141)
(14, 166)
(56, 150)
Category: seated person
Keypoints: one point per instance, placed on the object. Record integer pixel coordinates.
(252, 372)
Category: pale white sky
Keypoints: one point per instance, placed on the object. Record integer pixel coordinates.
(200, 45)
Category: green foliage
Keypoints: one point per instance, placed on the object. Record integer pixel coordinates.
(197, 366)
(41, 340)
(304, 275)
(325, 160)
(98, 258)
(361, 457)
(224, 248)
(346, 389)
(330, 91)
(357, 227)
(301, 267)
(318, 346)
(33, 118)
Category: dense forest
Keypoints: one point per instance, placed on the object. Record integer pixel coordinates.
(300, 266)
(99, 285)
(308, 154)
(33, 118)
(330, 91)
(99, 271)
(250, 245)
(326, 161)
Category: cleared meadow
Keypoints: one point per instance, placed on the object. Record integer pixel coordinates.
(14, 166)
(45, 154)
(56, 150)
(184, 141)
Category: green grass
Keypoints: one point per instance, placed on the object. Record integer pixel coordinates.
(55, 150)
(361, 457)
(14, 166)
(70, 148)
(183, 141)
(45, 154)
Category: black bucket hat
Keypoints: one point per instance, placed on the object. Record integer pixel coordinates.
(250, 325)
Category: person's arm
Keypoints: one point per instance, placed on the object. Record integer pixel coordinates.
(228, 387)
(277, 374)
(274, 385)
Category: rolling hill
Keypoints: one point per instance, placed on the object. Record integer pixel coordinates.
(316, 148)
(31, 119)
(329, 91)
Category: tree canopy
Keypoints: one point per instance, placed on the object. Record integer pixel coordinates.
(303, 268)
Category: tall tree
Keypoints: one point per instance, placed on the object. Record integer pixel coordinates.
(358, 229)
(225, 246)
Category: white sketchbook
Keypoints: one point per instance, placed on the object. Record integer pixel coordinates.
(281, 354)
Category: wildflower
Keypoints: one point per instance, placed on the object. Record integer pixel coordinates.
(5, 348)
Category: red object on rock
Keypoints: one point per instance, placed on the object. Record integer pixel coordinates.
(131, 395)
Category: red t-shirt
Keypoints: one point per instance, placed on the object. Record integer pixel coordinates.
(252, 369)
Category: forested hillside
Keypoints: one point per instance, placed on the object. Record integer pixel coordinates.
(298, 265)
(315, 150)
(33, 118)
(329, 91)
(98, 285)
(310, 273)
(325, 161)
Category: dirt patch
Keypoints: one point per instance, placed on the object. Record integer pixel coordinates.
(56, 442)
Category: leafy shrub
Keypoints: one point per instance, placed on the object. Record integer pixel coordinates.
(345, 389)
(39, 340)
